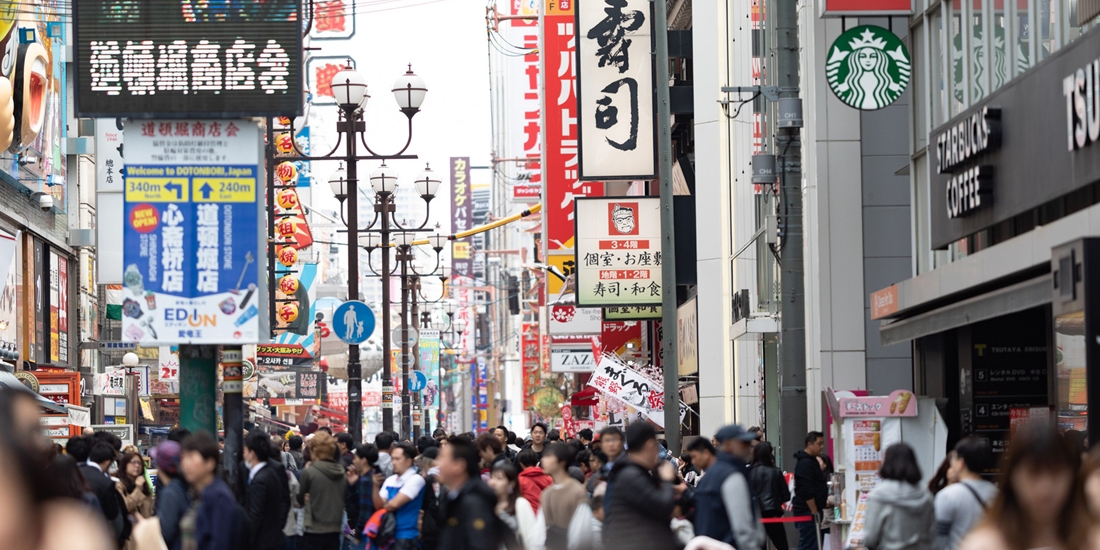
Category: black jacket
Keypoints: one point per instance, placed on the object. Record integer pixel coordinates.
(470, 521)
(639, 512)
(110, 501)
(769, 487)
(267, 503)
(809, 483)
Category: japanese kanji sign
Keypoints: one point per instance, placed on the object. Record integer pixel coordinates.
(462, 216)
(618, 251)
(615, 90)
(614, 378)
(191, 235)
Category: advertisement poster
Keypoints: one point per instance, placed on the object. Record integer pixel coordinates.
(866, 452)
(191, 235)
(529, 357)
(462, 216)
(63, 310)
(286, 384)
(618, 252)
(429, 365)
(855, 535)
(55, 339)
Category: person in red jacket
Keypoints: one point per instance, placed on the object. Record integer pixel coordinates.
(532, 480)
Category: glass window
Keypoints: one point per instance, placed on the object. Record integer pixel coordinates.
(1021, 31)
(1071, 30)
(959, 70)
(999, 51)
(1045, 28)
(920, 86)
(979, 73)
(922, 215)
(936, 85)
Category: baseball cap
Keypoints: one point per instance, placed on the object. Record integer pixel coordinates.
(734, 431)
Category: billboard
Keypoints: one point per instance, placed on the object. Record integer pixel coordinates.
(187, 59)
(191, 240)
(619, 251)
(462, 216)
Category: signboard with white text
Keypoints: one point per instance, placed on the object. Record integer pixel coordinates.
(618, 252)
(572, 360)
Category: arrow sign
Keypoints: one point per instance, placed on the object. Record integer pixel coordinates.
(206, 190)
(175, 187)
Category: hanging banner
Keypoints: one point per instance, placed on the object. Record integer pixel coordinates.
(429, 365)
(687, 336)
(529, 352)
(615, 90)
(619, 381)
(192, 249)
(462, 216)
(618, 251)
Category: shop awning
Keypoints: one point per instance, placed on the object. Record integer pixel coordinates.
(8, 381)
(588, 397)
(1003, 301)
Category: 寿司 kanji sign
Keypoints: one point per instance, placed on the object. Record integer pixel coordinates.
(618, 251)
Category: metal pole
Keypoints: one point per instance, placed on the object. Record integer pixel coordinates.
(233, 411)
(668, 232)
(387, 376)
(414, 282)
(355, 370)
(792, 350)
(406, 415)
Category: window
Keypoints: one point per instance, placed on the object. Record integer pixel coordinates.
(919, 85)
(935, 78)
(959, 71)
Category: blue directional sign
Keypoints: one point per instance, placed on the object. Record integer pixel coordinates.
(418, 381)
(353, 322)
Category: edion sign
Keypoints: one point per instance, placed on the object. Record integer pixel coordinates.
(841, 8)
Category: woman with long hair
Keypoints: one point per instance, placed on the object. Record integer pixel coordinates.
(512, 508)
(131, 483)
(68, 481)
(944, 475)
(771, 491)
(900, 515)
(1040, 504)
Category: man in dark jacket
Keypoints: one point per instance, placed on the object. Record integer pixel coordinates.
(267, 498)
(640, 510)
(100, 457)
(724, 507)
(469, 519)
(172, 499)
(811, 489)
(218, 521)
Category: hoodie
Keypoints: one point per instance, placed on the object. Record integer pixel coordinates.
(809, 484)
(900, 516)
(324, 482)
(531, 483)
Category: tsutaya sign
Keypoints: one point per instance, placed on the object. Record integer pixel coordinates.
(868, 67)
(1082, 91)
(957, 148)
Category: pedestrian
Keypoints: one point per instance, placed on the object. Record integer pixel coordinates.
(292, 529)
(173, 498)
(322, 495)
(267, 497)
(585, 436)
(771, 491)
(944, 476)
(959, 506)
(402, 495)
(584, 462)
(1090, 480)
(384, 442)
(67, 482)
(295, 443)
(100, 456)
(900, 515)
(703, 454)
(553, 436)
(468, 508)
(491, 451)
(538, 442)
(501, 433)
(564, 501)
(725, 509)
(532, 479)
(283, 452)
(345, 447)
(575, 469)
(439, 435)
(611, 443)
(596, 463)
(137, 496)
(359, 495)
(214, 521)
(1041, 502)
(430, 514)
(811, 490)
(514, 510)
(640, 506)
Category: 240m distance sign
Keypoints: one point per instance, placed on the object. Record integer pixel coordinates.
(188, 59)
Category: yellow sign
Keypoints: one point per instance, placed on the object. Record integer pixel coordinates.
(158, 190)
(460, 250)
(225, 190)
(559, 7)
(566, 265)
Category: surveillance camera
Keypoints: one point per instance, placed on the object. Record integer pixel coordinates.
(45, 202)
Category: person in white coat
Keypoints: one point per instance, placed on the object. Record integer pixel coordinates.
(511, 507)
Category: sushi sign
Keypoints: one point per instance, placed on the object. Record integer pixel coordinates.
(898, 404)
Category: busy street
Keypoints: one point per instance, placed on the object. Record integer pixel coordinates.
(549, 274)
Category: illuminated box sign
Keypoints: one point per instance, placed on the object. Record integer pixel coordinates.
(188, 59)
(838, 8)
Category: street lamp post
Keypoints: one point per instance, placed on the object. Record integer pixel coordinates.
(349, 88)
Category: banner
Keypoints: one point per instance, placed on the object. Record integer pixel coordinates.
(191, 235)
(462, 212)
(619, 381)
(529, 357)
(619, 251)
(687, 336)
(429, 365)
(615, 90)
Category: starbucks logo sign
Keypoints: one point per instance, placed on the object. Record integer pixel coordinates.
(868, 67)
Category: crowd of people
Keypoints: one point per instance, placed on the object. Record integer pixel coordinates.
(614, 490)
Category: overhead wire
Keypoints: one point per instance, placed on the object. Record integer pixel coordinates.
(62, 9)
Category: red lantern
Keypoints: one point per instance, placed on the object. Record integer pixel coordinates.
(288, 256)
(284, 143)
(288, 199)
(287, 172)
(287, 228)
(288, 284)
(288, 313)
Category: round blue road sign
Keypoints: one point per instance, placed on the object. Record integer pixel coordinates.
(418, 381)
(353, 322)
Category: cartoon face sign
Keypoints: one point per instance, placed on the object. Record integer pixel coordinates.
(623, 218)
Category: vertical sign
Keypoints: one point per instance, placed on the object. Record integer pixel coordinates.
(55, 339)
(191, 237)
(529, 352)
(63, 309)
(559, 126)
(615, 90)
(429, 364)
(40, 288)
(462, 208)
(619, 252)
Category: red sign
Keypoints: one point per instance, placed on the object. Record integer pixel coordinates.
(615, 335)
(560, 145)
(884, 302)
(628, 244)
(530, 355)
(526, 193)
(837, 8)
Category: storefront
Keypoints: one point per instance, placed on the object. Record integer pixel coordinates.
(1008, 180)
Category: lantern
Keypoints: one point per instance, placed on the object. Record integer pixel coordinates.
(288, 284)
(284, 121)
(288, 313)
(288, 199)
(284, 143)
(287, 172)
(288, 256)
(286, 228)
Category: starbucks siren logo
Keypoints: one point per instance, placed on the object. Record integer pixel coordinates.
(868, 67)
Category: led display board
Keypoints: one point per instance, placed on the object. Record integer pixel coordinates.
(188, 58)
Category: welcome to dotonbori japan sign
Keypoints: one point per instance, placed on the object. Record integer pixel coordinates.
(618, 251)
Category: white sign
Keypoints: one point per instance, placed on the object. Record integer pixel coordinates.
(567, 319)
(572, 360)
(79, 416)
(687, 337)
(615, 91)
(629, 386)
(125, 432)
(110, 383)
(108, 156)
(168, 363)
(618, 251)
